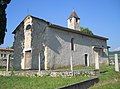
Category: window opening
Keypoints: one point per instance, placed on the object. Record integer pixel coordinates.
(28, 27)
(72, 44)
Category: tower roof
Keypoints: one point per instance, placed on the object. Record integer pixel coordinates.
(74, 15)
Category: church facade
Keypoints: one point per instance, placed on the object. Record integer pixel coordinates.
(40, 44)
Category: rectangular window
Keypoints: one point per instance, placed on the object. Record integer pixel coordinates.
(4, 55)
(1, 55)
(86, 59)
(72, 44)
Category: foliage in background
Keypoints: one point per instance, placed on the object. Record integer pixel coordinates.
(86, 31)
(12, 47)
(114, 52)
(3, 19)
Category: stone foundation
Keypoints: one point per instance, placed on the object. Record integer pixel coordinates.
(51, 73)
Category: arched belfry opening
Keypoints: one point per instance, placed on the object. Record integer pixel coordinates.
(74, 21)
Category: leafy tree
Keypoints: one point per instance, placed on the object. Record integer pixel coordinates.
(3, 19)
(86, 31)
(12, 47)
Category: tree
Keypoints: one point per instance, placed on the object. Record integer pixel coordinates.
(86, 31)
(3, 19)
(12, 47)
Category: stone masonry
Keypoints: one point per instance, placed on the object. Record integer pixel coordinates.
(36, 38)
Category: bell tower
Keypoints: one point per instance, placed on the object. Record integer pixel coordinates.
(74, 21)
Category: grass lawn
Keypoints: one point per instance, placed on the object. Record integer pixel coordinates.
(14, 82)
(109, 79)
(78, 68)
(4, 69)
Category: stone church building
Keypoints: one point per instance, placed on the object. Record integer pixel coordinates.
(38, 43)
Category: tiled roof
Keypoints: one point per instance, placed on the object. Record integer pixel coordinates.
(64, 28)
(74, 15)
(76, 31)
(6, 49)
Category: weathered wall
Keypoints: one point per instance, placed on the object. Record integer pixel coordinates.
(58, 43)
(38, 43)
(27, 32)
(59, 48)
(26, 61)
(3, 58)
(32, 39)
(73, 24)
(18, 46)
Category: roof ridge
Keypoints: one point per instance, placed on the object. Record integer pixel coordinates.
(74, 14)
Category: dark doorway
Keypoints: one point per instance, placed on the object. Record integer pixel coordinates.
(86, 58)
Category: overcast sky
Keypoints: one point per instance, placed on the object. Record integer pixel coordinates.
(100, 16)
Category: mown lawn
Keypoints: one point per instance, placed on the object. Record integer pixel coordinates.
(4, 69)
(109, 79)
(14, 82)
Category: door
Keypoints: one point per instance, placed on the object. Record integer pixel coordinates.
(86, 60)
(28, 59)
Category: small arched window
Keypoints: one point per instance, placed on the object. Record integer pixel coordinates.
(76, 20)
(28, 27)
(72, 44)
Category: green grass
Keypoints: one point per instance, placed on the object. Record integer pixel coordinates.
(84, 68)
(14, 82)
(77, 68)
(109, 79)
(4, 69)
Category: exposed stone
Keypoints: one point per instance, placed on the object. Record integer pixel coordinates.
(53, 43)
(49, 73)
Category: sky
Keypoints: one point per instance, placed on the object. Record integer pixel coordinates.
(100, 16)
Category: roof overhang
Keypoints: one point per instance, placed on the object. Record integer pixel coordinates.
(60, 28)
(97, 47)
(75, 31)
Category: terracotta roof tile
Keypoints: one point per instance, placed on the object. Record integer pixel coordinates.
(6, 49)
(74, 15)
(64, 28)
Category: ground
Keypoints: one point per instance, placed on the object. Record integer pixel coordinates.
(109, 79)
(14, 82)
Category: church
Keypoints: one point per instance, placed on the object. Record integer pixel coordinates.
(41, 44)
